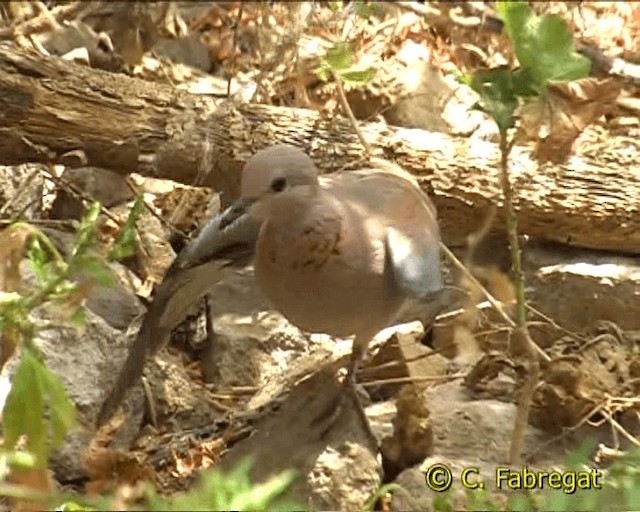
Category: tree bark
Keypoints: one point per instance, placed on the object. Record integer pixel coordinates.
(58, 112)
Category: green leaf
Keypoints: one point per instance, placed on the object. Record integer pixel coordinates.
(79, 317)
(95, 267)
(125, 243)
(235, 482)
(15, 460)
(260, 496)
(71, 506)
(24, 409)
(383, 490)
(543, 44)
(339, 57)
(443, 502)
(13, 311)
(581, 457)
(497, 95)
(86, 235)
(633, 500)
(361, 77)
(38, 261)
(464, 79)
(524, 84)
(9, 298)
(62, 410)
(232, 490)
(21, 459)
(558, 500)
(365, 9)
(522, 503)
(514, 15)
(323, 73)
(480, 499)
(34, 392)
(62, 290)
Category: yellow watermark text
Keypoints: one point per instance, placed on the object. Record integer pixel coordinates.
(566, 481)
(440, 477)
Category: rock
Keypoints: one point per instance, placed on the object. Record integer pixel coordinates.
(102, 185)
(412, 438)
(21, 190)
(468, 434)
(180, 400)
(118, 305)
(187, 50)
(154, 255)
(579, 287)
(252, 342)
(418, 496)
(338, 470)
(86, 360)
(461, 424)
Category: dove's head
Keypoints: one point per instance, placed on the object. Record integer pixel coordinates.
(277, 180)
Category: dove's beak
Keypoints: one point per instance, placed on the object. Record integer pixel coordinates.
(240, 207)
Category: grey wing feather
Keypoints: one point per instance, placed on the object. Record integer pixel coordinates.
(229, 238)
(417, 277)
(415, 271)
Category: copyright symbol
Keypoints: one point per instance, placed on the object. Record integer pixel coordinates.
(438, 477)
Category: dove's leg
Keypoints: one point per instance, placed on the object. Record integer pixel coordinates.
(350, 385)
(349, 393)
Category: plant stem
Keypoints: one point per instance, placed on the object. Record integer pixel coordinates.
(349, 113)
(522, 337)
(512, 230)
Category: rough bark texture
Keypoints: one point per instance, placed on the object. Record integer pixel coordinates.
(54, 111)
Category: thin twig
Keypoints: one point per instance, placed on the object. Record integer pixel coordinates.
(44, 11)
(620, 429)
(41, 21)
(18, 216)
(349, 113)
(492, 300)
(474, 239)
(555, 324)
(406, 380)
(24, 187)
(63, 183)
(151, 404)
(43, 222)
(568, 430)
(160, 218)
(288, 42)
(235, 47)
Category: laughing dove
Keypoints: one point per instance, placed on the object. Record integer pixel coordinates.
(346, 254)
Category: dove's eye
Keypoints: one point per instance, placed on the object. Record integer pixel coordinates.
(278, 184)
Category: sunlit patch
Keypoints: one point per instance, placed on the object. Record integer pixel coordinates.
(607, 272)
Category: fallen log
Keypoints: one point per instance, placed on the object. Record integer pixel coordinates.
(59, 112)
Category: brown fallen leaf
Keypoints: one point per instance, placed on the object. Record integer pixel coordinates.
(37, 480)
(108, 469)
(200, 456)
(13, 242)
(555, 121)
